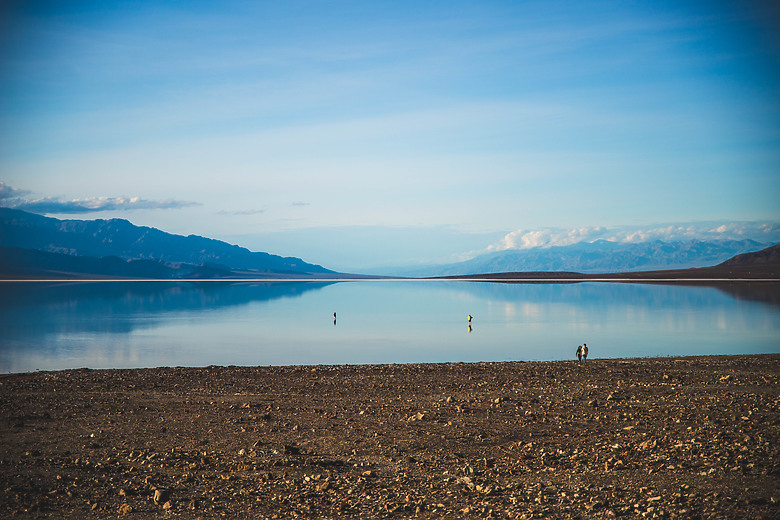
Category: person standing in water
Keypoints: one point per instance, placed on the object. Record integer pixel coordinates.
(334, 318)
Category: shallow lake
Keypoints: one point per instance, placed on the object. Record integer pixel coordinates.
(50, 326)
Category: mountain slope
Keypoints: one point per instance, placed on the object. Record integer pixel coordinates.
(32, 263)
(765, 257)
(602, 257)
(120, 238)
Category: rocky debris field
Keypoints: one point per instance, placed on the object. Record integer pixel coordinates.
(636, 438)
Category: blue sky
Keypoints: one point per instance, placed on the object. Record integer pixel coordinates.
(378, 133)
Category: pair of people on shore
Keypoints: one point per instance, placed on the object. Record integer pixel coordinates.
(582, 353)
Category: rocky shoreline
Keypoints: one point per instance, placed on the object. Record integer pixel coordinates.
(635, 438)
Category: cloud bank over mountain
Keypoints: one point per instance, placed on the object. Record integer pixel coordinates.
(765, 232)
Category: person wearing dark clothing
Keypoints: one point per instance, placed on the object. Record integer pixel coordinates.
(584, 352)
(579, 353)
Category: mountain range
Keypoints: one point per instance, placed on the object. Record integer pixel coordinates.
(37, 245)
(33, 245)
(600, 256)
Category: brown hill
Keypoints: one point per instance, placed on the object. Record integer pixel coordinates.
(765, 257)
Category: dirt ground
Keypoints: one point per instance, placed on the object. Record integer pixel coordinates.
(636, 438)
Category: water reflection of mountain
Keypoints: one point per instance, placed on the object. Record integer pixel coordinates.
(129, 324)
(113, 307)
(765, 292)
(645, 294)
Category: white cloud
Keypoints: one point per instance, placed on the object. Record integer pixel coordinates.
(14, 198)
(528, 239)
(767, 232)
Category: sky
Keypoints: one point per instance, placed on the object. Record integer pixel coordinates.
(357, 134)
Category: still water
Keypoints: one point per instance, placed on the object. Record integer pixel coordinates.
(50, 326)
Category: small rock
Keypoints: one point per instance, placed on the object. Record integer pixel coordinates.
(161, 495)
(125, 509)
(466, 481)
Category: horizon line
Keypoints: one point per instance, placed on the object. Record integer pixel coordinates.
(391, 279)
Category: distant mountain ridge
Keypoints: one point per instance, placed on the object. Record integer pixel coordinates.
(601, 256)
(97, 239)
(34, 245)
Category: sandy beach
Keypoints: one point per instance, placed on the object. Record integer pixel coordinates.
(635, 438)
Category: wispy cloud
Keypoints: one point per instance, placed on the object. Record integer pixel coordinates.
(768, 232)
(242, 212)
(9, 192)
(11, 197)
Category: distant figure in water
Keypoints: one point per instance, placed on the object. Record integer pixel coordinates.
(579, 353)
(584, 352)
(469, 318)
(334, 318)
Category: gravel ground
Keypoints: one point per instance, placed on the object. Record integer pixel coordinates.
(636, 438)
